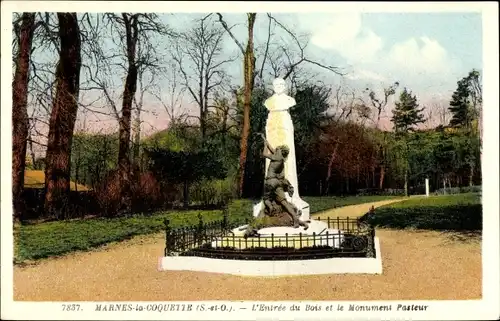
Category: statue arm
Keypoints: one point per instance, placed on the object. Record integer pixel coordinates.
(266, 144)
(271, 149)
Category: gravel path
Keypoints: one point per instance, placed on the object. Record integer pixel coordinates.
(417, 266)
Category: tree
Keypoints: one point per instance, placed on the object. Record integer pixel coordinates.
(63, 116)
(185, 167)
(199, 57)
(460, 106)
(249, 77)
(466, 105)
(20, 124)
(344, 149)
(139, 106)
(140, 54)
(373, 111)
(172, 103)
(309, 115)
(405, 116)
(378, 104)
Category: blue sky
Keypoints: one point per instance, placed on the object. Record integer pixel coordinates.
(426, 52)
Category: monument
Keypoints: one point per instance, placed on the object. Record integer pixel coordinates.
(281, 238)
(280, 132)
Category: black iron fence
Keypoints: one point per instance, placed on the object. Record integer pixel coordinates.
(345, 237)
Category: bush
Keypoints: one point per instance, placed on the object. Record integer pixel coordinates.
(453, 212)
(412, 190)
(147, 193)
(209, 193)
(80, 204)
(459, 190)
(381, 192)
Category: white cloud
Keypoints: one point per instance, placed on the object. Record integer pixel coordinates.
(422, 55)
(419, 62)
(345, 34)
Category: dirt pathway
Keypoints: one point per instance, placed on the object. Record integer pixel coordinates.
(417, 265)
(354, 210)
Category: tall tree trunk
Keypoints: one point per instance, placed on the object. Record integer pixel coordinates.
(329, 169)
(20, 113)
(471, 175)
(137, 136)
(382, 176)
(63, 116)
(248, 68)
(32, 152)
(131, 31)
(406, 182)
(186, 194)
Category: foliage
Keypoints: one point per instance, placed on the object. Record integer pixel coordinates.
(254, 168)
(212, 192)
(147, 193)
(381, 192)
(407, 113)
(453, 212)
(178, 137)
(307, 114)
(459, 190)
(92, 157)
(183, 166)
(465, 100)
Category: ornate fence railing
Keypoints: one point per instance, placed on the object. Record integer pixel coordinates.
(352, 238)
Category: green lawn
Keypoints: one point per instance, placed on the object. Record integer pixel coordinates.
(458, 212)
(55, 238)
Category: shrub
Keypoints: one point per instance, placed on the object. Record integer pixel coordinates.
(381, 192)
(108, 193)
(459, 190)
(147, 193)
(212, 192)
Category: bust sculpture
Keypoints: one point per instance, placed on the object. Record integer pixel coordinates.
(280, 101)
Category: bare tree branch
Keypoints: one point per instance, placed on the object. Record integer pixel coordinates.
(228, 29)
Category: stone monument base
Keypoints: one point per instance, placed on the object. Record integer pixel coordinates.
(275, 268)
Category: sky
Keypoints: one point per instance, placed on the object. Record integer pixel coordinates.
(425, 52)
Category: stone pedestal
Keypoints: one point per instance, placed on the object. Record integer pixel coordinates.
(279, 131)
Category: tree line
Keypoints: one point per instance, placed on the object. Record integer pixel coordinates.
(340, 145)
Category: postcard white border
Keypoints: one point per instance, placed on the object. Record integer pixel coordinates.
(487, 308)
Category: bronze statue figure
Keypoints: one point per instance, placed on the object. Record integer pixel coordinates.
(276, 185)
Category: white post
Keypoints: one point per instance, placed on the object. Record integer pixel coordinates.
(427, 187)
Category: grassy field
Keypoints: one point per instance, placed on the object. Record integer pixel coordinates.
(55, 238)
(36, 179)
(458, 212)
